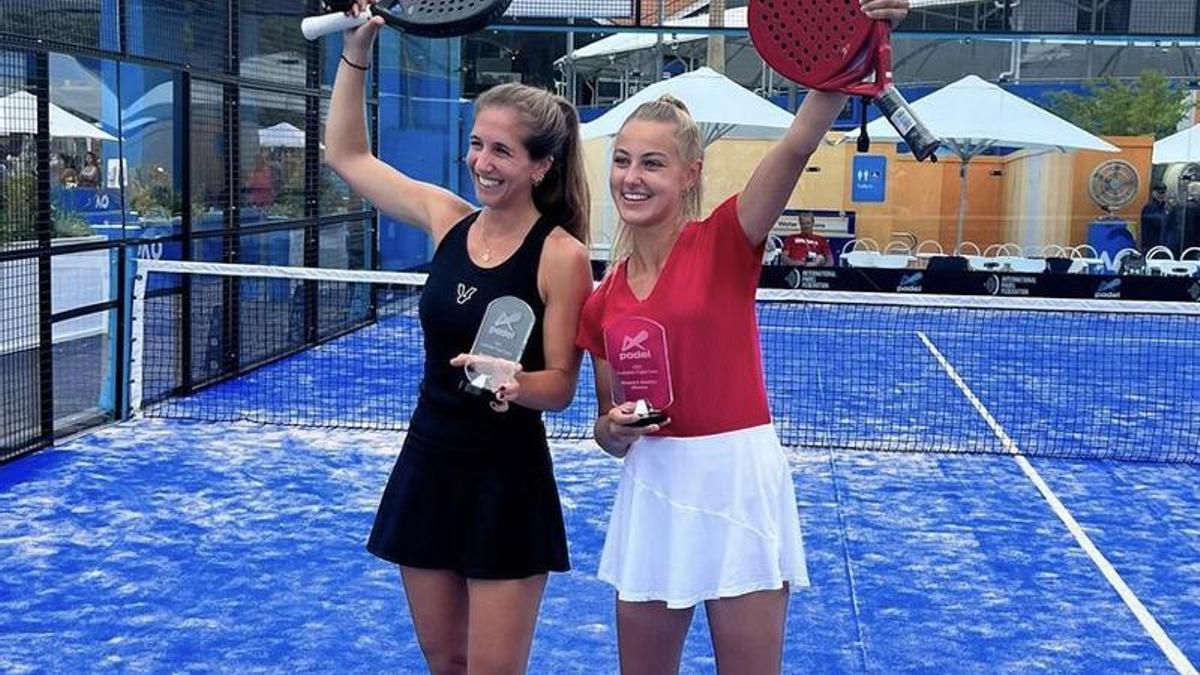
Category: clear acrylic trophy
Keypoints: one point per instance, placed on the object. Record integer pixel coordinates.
(505, 329)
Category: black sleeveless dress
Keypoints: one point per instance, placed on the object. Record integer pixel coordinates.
(473, 490)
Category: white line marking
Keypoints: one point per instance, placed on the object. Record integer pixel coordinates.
(1156, 632)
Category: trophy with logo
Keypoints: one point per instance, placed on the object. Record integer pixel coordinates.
(496, 354)
(636, 348)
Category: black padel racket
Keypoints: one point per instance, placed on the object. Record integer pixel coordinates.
(830, 45)
(426, 18)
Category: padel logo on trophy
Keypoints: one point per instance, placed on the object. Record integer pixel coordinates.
(636, 348)
(631, 347)
(505, 326)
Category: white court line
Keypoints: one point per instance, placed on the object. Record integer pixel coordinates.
(1149, 623)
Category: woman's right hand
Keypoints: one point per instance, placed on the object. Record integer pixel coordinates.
(618, 432)
(358, 42)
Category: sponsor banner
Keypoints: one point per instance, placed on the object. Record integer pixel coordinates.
(1106, 287)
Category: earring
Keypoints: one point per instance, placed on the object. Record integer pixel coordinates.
(538, 178)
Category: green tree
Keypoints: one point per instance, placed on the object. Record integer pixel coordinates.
(1151, 106)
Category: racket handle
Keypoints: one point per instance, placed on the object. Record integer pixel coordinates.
(314, 27)
(920, 140)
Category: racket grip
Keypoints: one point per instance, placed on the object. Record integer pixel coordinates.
(920, 140)
(314, 27)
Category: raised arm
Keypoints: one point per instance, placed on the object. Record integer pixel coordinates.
(348, 151)
(766, 193)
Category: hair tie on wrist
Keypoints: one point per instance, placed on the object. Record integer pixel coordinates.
(353, 64)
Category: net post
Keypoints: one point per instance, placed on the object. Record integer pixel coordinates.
(39, 79)
(231, 244)
(312, 192)
(137, 336)
(185, 288)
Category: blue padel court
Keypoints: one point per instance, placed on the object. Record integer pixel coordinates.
(1047, 518)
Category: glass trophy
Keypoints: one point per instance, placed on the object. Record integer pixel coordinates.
(636, 348)
(505, 329)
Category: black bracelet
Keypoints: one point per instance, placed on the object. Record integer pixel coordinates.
(353, 64)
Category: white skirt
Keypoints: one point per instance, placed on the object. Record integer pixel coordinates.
(702, 518)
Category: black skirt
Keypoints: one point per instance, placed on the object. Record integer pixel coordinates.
(486, 511)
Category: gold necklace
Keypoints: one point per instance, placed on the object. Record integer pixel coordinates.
(487, 248)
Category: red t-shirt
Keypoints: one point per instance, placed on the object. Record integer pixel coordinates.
(704, 301)
(798, 247)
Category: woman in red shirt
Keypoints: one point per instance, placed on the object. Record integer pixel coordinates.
(706, 510)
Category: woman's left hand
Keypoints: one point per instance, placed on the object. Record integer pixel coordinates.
(893, 11)
(500, 374)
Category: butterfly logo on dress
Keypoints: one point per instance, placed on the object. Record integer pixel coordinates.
(465, 292)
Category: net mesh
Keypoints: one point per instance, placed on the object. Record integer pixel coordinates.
(1060, 378)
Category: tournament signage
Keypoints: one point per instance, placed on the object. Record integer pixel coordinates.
(1107, 287)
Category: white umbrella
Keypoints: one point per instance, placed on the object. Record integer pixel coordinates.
(722, 108)
(971, 116)
(1176, 148)
(18, 115)
(282, 135)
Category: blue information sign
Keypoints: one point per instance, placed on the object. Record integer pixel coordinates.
(868, 179)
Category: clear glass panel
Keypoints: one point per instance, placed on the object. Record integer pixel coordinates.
(85, 204)
(271, 157)
(152, 151)
(84, 352)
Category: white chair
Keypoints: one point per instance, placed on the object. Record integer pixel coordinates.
(1160, 253)
(908, 239)
(1174, 268)
(929, 248)
(1054, 251)
(864, 244)
(981, 263)
(894, 261)
(1027, 265)
(896, 246)
(1189, 251)
(1083, 258)
(1120, 259)
(773, 250)
(967, 248)
(993, 251)
(860, 258)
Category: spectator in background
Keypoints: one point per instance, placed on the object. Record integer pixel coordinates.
(1187, 216)
(69, 177)
(806, 248)
(89, 175)
(261, 183)
(1154, 218)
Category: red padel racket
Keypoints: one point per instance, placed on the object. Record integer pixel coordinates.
(831, 45)
(426, 18)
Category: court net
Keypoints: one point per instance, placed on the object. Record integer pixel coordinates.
(904, 372)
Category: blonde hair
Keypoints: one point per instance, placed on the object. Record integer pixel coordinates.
(667, 109)
(552, 130)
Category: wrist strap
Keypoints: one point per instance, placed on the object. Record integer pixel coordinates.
(353, 64)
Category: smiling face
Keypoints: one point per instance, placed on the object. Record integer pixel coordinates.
(500, 165)
(649, 177)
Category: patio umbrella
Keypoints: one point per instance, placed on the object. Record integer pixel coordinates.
(1178, 148)
(972, 116)
(18, 116)
(722, 108)
(282, 135)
